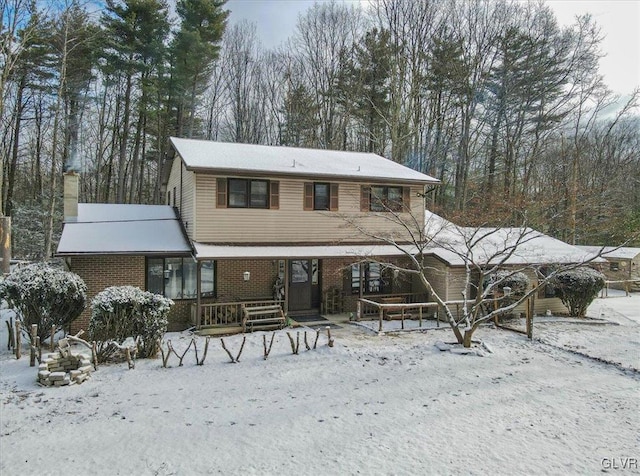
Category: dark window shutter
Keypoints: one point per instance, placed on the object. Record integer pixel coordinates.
(308, 196)
(333, 197)
(406, 199)
(274, 195)
(221, 186)
(365, 198)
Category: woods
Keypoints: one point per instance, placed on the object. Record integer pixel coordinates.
(495, 99)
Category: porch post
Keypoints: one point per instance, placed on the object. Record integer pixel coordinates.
(286, 286)
(198, 291)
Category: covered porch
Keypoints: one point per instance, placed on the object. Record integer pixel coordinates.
(302, 281)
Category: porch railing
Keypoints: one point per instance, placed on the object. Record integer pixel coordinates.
(395, 298)
(220, 314)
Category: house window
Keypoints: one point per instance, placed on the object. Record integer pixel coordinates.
(370, 276)
(174, 196)
(384, 198)
(320, 196)
(176, 278)
(614, 266)
(245, 193)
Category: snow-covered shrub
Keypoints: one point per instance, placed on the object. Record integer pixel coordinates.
(44, 296)
(578, 287)
(120, 312)
(518, 283)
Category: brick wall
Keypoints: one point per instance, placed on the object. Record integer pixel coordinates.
(100, 272)
(231, 285)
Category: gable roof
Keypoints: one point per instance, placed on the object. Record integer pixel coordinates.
(123, 229)
(623, 252)
(227, 157)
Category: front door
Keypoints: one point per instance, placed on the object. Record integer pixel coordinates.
(299, 284)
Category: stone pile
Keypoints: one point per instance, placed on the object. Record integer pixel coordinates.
(64, 367)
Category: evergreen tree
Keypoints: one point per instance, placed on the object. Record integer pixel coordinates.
(193, 52)
(136, 31)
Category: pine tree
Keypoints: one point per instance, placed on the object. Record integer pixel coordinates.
(193, 52)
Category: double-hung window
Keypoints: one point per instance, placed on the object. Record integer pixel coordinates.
(320, 196)
(246, 193)
(385, 198)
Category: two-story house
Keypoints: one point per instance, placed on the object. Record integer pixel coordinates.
(253, 223)
(314, 231)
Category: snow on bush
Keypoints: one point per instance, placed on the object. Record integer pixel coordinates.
(120, 312)
(44, 296)
(518, 281)
(578, 287)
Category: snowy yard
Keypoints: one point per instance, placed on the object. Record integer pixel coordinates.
(566, 403)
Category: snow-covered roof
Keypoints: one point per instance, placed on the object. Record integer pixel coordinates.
(491, 245)
(210, 251)
(123, 229)
(612, 252)
(227, 157)
(534, 248)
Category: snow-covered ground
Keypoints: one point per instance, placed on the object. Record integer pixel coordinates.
(567, 402)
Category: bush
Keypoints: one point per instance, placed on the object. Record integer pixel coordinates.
(518, 282)
(44, 296)
(120, 312)
(577, 288)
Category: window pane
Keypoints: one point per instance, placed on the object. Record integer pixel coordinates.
(377, 199)
(300, 271)
(155, 268)
(321, 196)
(237, 193)
(373, 279)
(394, 198)
(259, 198)
(173, 278)
(190, 285)
(207, 278)
(355, 278)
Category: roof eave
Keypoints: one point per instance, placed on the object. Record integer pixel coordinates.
(329, 177)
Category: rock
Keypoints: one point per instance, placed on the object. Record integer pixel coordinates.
(441, 346)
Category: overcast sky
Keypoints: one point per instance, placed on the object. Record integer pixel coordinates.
(619, 20)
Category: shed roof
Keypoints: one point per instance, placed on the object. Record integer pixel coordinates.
(292, 161)
(123, 229)
(612, 252)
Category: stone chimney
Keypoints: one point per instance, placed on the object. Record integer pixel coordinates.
(71, 196)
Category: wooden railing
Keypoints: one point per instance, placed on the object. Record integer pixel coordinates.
(402, 298)
(400, 310)
(220, 314)
(627, 285)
